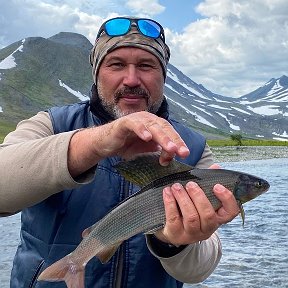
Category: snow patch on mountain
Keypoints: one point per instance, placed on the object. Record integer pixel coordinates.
(201, 109)
(281, 98)
(200, 101)
(9, 62)
(283, 135)
(218, 107)
(267, 101)
(78, 94)
(266, 110)
(197, 117)
(171, 88)
(276, 88)
(234, 127)
(204, 121)
(231, 125)
(189, 88)
(241, 110)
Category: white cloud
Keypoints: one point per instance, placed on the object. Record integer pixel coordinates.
(239, 44)
(39, 18)
(145, 7)
(233, 49)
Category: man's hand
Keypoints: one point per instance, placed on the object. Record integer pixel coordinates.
(127, 136)
(190, 216)
(143, 132)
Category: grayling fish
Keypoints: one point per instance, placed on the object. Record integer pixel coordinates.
(104, 237)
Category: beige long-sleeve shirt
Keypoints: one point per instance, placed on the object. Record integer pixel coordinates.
(33, 166)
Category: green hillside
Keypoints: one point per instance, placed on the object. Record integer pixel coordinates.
(33, 84)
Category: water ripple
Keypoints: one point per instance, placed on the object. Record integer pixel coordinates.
(254, 256)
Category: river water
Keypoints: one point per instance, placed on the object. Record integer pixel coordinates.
(254, 256)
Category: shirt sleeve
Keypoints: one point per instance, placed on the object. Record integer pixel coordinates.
(34, 165)
(206, 159)
(195, 262)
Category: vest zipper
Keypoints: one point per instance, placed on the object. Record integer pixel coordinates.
(36, 274)
(119, 266)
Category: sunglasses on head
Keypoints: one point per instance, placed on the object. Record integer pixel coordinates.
(121, 25)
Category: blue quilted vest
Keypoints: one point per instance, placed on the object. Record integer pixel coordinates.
(52, 229)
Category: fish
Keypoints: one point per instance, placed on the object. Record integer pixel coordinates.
(143, 211)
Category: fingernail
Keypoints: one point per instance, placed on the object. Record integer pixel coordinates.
(164, 163)
(159, 148)
(184, 150)
(167, 191)
(219, 188)
(177, 186)
(171, 145)
(192, 185)
(146, 134)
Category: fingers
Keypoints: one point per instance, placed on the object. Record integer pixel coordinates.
(230, 208)
(173, 226)
(149, 127)
(215, 166)
(190, 217)
(164, 134)
(206, 213)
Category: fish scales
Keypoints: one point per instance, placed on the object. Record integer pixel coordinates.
(143, 212)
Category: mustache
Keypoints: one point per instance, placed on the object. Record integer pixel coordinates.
(136, 91)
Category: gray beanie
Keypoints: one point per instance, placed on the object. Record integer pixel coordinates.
(106, 44)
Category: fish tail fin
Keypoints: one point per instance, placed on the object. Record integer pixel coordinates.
(64, 270)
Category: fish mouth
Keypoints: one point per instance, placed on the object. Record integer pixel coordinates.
(264, 185)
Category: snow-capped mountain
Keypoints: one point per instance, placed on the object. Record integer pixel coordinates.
(37, 73)
(261, 113)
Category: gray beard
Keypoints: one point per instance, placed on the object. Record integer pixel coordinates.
(115, 112)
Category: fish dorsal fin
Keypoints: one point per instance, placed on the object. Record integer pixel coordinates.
(145, 168)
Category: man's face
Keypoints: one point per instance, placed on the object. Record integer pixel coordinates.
(130, 80)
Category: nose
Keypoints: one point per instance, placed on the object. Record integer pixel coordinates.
(131, 77)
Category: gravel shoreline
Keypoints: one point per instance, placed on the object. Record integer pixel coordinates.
(246, 153)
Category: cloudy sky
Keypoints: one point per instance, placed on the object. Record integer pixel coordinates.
(231, 47)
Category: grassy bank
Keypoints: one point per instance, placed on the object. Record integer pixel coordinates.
(5, 128)
(246, 142)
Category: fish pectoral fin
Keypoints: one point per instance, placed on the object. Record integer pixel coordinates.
(242, 212)
(154, 229)
(106, 254)
(86, 232)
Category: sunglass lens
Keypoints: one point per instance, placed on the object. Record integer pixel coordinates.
(117, 27)
(149, 28)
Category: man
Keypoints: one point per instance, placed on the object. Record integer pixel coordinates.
(57, 168)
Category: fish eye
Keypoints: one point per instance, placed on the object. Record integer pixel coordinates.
(258, 184)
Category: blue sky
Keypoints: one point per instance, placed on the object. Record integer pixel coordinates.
(230, 47)
(178, 14)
